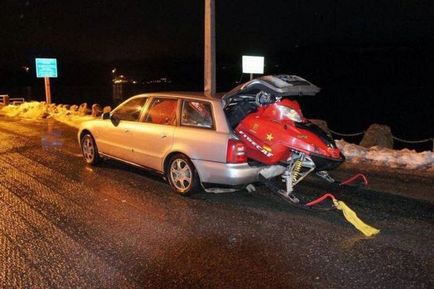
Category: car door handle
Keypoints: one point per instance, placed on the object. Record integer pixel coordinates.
(126, 130)
(163, 135)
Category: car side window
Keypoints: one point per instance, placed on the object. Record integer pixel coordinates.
(162, 111)
(196, 113)
(130, 110)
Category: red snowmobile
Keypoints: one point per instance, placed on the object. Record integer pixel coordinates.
(267, 118)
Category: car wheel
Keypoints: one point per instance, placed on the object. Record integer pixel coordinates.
(89, 149)
(182, 175)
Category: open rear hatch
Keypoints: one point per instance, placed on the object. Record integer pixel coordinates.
(246, 97)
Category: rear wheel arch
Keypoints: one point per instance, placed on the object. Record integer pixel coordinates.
(195, 178)
(169, 156)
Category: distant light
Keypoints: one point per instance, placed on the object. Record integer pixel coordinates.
(25, 68)
(253, 64)
(114, 70)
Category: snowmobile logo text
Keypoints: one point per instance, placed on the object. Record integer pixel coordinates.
(258, 147)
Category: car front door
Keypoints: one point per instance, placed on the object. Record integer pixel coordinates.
(115, 135)
(153, 138)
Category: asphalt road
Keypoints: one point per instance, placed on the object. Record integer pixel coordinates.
(66, 225)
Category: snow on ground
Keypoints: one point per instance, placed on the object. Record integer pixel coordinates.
(40, 110)
(73, 120)
(407, 159)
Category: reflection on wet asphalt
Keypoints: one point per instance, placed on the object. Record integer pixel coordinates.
(67, 225)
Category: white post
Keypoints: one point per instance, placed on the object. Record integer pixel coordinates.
(209, 59)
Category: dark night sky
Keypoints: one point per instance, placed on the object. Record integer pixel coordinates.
(98, 30)
(136, 29)
(373, 59)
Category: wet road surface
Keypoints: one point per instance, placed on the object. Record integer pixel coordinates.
(67, 225)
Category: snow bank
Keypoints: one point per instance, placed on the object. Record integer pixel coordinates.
(29, 110)
(408, 159)
(40, 110)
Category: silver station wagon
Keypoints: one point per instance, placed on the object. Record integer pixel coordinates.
(186, 137)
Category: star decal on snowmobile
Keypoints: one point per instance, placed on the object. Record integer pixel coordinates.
(270, 136)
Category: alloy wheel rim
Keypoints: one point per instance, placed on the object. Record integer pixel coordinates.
(88, 149)
(181, 175)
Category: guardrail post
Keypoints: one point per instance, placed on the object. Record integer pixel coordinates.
(6, 99)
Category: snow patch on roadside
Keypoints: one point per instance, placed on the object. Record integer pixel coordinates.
(40, 110)
(72, 120)
(405, 158)
(29, 110)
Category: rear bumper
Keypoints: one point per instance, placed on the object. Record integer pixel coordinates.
(226, 174)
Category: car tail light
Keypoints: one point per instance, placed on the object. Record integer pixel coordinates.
(236, 152)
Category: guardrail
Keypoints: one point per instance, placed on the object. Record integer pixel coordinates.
(6, 100)
(16, 100)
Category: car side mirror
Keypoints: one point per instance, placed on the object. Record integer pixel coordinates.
(115, 120)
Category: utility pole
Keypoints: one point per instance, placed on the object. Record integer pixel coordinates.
(209, 58)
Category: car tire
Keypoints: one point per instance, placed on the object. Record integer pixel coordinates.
(89, 149)
(182, 175)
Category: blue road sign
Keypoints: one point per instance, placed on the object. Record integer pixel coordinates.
(46, 67)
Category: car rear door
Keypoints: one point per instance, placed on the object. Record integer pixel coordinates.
(197, 136)
(153, 138)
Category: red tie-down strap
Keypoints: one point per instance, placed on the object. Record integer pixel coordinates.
(320, 199)
(349, 214)
(355, 177)
(346, 182)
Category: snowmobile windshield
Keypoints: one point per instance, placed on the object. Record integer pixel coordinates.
(289, 113)
(247, 97)
(277, 86)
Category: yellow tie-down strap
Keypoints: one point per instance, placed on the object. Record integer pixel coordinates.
(351, 217)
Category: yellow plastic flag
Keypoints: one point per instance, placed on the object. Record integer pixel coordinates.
(351, 217)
